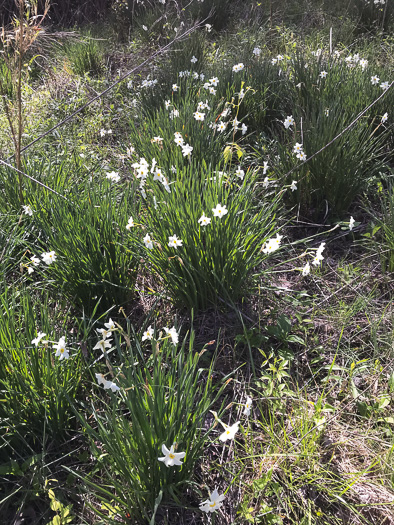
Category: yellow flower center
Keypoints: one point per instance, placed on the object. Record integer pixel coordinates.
(61, 350)
(171, 456)
(213, 504)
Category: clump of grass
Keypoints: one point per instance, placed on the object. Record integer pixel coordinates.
(329, 182)
(164, 398)
(36, 387)
(213, 265)
(96, 255)
(86, 57)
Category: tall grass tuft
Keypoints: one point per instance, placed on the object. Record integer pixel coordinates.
(96, 255)
(35, 386)
(213, 264)
(164, 398)
(331, 181)
(86, 57)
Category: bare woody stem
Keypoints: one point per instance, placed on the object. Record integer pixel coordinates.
(20, 50)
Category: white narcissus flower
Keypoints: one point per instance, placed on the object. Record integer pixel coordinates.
(351, 223)
(37, 340)
(385, 117)
(319, 257)
(323, 74)
(148, 241)
(30, 270)
(48, 257)
(297, 148)
(113, 176)
(375, 80)
(193, 59)
(384, 85)
(110, 325)
(302, 156)
(235, 123)
(213, 503)
(220, 211)
(173, 334)
(27, 209)
(257, 51)
(266, 183)
(159, 175)
(108, 385)
(229, 432)
(306, 269)
(104, 333)
(148, 334)
(277, 240)
(179, 141)
(130, 223)
(103, 344)
(61, 350)
(265, 167)
(170, 457)
(248, 406)
(289, 121)
(293, 186)
(363, 63)
(186, 149)
(199, 116)
(35, 260)
(174, 241)
(203, 220)
(221, 126)
(175, 87)
(240, 173)
(244, 128)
